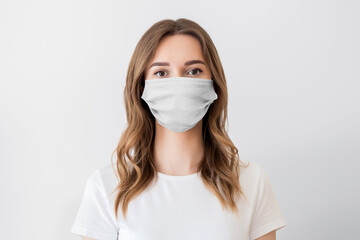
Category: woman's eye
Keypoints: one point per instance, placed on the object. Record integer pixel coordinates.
(196, 70)
(192, 72)
(156, 73)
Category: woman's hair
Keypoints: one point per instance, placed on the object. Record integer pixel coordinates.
(135, 166)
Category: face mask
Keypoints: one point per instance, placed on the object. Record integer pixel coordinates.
(179, 103)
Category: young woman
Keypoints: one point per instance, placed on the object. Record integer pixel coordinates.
(177, 175)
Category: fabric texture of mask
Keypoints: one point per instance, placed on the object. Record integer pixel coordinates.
(179, 103)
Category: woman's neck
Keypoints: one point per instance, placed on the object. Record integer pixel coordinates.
(178, 153)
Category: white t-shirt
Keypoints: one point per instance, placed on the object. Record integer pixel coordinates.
(178, 208)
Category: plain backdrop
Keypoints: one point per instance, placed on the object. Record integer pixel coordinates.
(292, 69)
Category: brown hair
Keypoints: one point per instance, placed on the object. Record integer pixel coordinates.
(135, 163)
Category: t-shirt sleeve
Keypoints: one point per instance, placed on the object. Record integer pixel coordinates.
(94, 218)
(266, 215)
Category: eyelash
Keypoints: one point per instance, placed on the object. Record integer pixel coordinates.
(198, 69)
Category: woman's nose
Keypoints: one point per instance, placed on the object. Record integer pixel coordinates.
(178, 73)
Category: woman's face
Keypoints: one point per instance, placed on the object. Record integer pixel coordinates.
(178, 56)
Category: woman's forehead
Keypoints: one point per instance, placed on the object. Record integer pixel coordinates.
(178, 49)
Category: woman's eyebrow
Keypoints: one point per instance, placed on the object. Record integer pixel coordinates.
(194, 62)
(168, 64)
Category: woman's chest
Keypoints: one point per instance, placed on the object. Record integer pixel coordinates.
(189, 211)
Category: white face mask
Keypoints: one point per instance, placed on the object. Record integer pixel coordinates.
(179, 103)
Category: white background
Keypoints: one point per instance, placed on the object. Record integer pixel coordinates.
(292, 68)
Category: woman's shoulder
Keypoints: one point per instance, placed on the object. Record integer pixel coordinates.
(105, 177)
(251, 175)
(250, 170)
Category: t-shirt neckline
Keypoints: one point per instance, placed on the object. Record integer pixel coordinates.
(178, 177)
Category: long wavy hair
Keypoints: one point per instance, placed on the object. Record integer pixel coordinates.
(135, 168)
